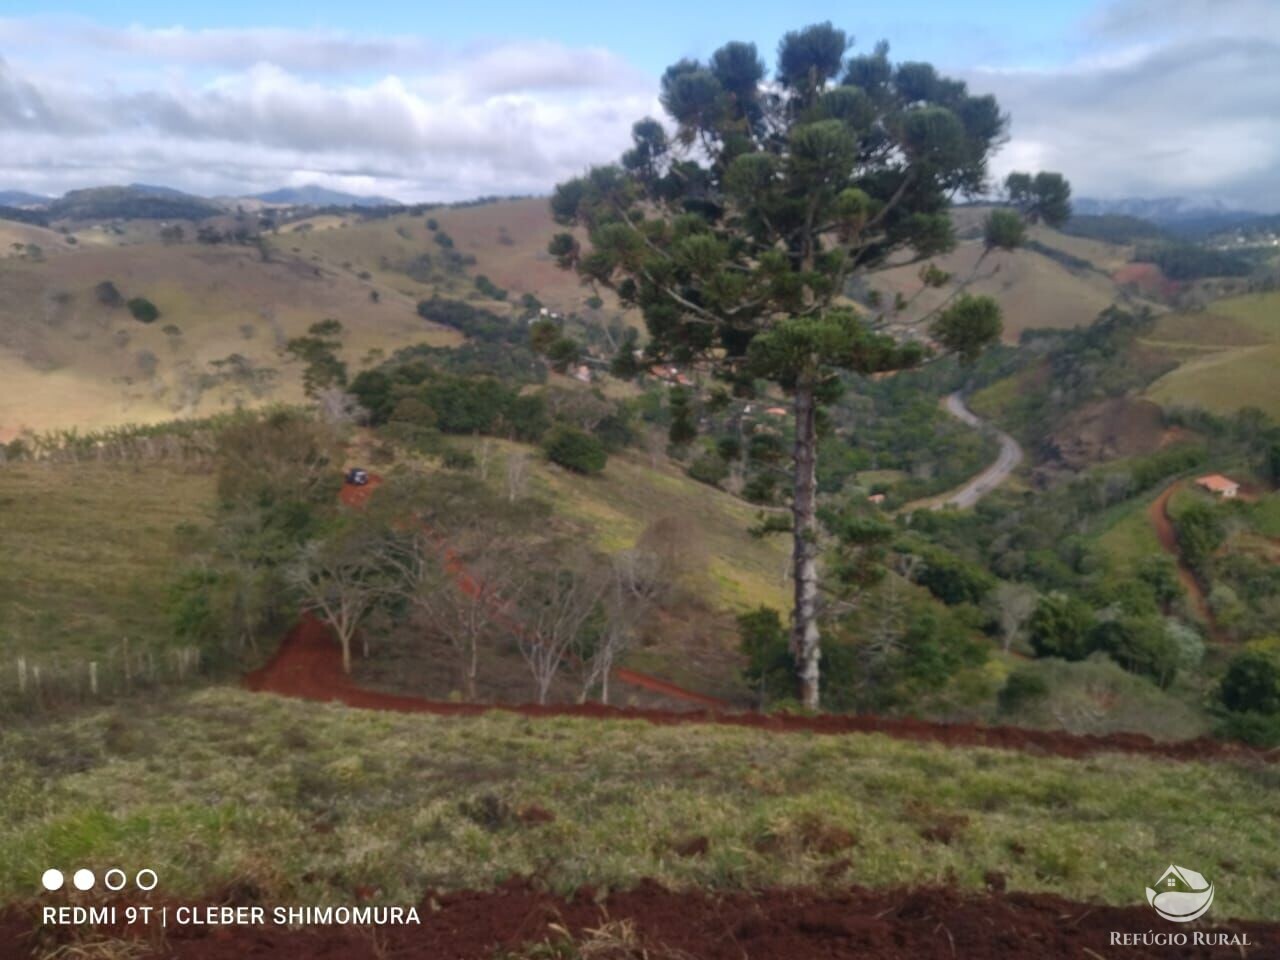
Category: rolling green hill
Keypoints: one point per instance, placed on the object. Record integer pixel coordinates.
(1228, 354)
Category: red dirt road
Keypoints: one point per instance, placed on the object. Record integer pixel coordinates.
(653, 923)
(1162, 523)
(308, 666)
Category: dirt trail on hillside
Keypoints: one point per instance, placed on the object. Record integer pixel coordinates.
(353, 495)
(308, 666)
(1162, 523)
(654, 923)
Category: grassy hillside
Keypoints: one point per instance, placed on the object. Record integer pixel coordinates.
(307, 803)
(1034, 289)
(1229, 356)
(741, 572)
(89, 551)
(67, 359)
(508, 240)
(92, 554)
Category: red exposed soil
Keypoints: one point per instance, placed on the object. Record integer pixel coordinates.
(1148, 279)
(308, 665)
(1158, 513)
(357, 496)
(658, 924)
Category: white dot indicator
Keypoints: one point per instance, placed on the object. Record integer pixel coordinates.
(83, 879)
(150, 883)
(52, 880)
(115, 879)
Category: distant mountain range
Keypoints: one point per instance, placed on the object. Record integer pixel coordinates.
(317, 196)
(145, 200)
(20, 198)
(1191, 219)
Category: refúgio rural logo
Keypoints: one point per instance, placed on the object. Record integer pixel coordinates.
(1180, 895)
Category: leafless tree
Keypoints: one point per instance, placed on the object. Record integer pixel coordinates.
(341, 578)
(484, 454)
(556, 601)
(585, 409)
(460, 589)
(339, 408)
(1015, 603)
(634, 587)
(655, 444)
(517, 475)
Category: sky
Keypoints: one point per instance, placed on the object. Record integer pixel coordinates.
(435, 101)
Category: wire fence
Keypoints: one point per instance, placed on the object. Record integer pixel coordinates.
(35, 684)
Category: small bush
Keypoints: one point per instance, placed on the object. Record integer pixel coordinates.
(455, 459)
(1140, 645)
(1022, 688)
(1060, 627)
(143, 310)
(108, 295)
(1252, 683)
(1257, 729)
(709, 469)
(575, 450)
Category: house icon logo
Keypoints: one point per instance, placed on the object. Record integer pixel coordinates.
(1181, 895)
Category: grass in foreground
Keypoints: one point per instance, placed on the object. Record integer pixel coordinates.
(308, 802)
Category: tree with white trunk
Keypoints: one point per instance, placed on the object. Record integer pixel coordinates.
(737, 228)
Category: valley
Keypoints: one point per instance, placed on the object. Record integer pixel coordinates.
(796, 524)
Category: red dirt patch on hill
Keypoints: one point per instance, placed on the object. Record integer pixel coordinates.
(1147, 279)
(658, 924)
(308, 666)
(1162, 523)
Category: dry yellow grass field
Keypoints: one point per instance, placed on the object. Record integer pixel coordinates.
(68, 360)
(1033, 290)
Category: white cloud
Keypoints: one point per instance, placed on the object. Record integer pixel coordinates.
(1178, 98)
(1170, 97)
(503, 119)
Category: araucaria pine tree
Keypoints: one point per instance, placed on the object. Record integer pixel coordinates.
(738, 232)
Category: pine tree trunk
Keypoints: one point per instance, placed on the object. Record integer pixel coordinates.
(805, 642)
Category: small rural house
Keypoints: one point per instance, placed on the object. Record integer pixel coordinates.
(1219, 485)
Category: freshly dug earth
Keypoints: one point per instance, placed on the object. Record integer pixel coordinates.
(518, 921)
(308, 666)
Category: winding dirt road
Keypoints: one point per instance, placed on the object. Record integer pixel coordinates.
(978, 486)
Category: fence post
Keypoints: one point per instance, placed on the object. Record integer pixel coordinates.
(93, 677)
(22, 675)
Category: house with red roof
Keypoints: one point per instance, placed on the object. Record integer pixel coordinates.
(1219, 485)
